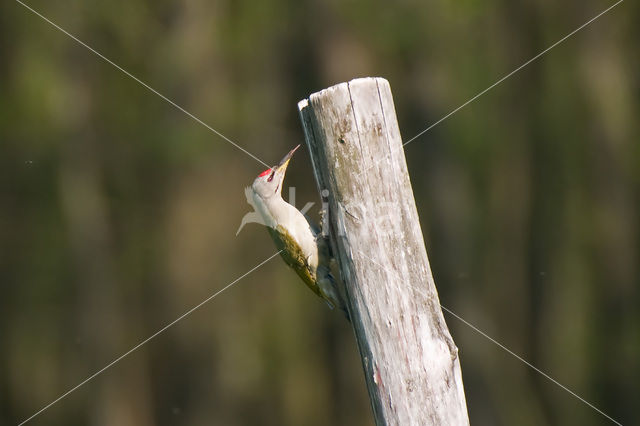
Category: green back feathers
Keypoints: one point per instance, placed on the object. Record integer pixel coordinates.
(294, 257)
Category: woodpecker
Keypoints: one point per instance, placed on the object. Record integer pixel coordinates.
(299, 239)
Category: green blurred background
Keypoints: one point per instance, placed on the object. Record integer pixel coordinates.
(118, 212)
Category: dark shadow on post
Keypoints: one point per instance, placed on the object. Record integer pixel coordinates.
(410, 360)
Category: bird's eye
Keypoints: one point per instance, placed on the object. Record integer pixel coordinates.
(270, 178)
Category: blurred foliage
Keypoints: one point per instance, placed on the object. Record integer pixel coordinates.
(119, 212)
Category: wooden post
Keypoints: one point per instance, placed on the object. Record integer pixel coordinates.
(410, 360)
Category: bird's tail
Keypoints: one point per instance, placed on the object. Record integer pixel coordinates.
(333, 296)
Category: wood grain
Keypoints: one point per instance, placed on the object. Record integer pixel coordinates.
(410, 360)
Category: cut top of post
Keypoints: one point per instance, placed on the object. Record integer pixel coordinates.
(410, 361)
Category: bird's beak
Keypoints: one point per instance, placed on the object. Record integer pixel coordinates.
(282, 166)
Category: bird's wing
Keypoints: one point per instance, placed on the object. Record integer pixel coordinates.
(295, 257)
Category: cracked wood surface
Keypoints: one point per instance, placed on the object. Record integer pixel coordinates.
(409, 358)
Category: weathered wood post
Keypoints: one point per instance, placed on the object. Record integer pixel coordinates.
(410, 360)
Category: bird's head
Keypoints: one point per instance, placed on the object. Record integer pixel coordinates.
(269, 182)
